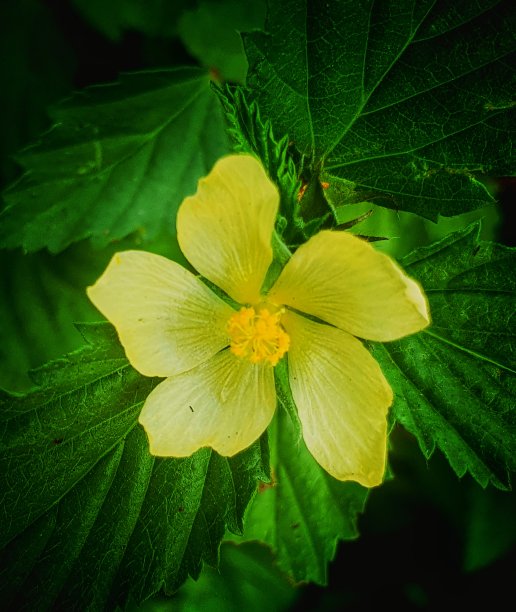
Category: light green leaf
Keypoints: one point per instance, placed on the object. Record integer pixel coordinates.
(119, 159)
(403, 102)
(305, 512)
(454, 383)
(249, 134)
(89, 515)
(210, 32)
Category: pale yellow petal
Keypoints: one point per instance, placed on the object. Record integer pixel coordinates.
(167, 320)
(225, 229)
(225, 403)
(343, 280)
(342, 398)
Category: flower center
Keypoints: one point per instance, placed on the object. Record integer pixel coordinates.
(258, 336)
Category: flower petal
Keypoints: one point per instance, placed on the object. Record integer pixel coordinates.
(167, 320)
(225, 229)
(344, 281)
(225, 403)
(342, 399)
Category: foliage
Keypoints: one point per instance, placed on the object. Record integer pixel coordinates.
(388, 106)
(454, 383)
(111, 166)
(87, 510)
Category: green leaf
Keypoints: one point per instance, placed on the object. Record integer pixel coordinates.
(245, 580)
(404, 102)
(89, 515)
(153, 17)
(43, 295)
(454, 383)
(305, 512)
(249, 134)
(119, 159)
(210, 32)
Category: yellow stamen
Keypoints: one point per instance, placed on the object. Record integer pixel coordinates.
(258, 336)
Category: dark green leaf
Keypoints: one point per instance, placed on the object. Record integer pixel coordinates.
(89, 515)
(43, 295)
(249, 134)
(305, 512)
(119, 159)
(455, 382)
(489, 527)
(403, 102)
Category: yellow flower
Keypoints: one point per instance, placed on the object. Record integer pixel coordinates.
(218, 361)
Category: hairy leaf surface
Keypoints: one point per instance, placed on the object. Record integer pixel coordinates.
(405, 102)
(88, 515)
(119, 159)
(454, 383)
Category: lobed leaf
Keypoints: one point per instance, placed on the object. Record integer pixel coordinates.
(89, 517)
(305, 512)
(454, 383)
(119, 159)
(403, 102)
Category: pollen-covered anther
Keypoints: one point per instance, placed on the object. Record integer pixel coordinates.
(258, 336)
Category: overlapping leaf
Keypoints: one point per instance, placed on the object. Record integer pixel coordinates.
(306, 512)
(455, 382)
(210, 32)
(119, 159)
(405, 102)
(43, 295)
(88, 515)
(249, 134)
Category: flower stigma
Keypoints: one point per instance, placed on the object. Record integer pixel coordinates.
(257, 335)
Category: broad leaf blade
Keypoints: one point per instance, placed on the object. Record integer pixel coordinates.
(400, 101)
(43, 295)
(454, 383)
(306, 512)
(119, 159)
(90, 516)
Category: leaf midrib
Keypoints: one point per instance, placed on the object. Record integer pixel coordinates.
(365, 99)
(145, 139)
